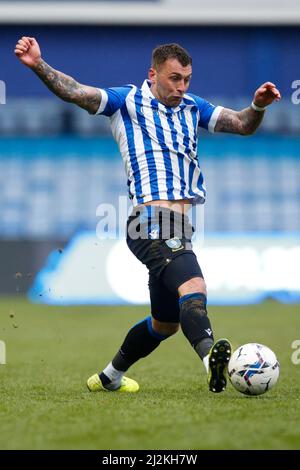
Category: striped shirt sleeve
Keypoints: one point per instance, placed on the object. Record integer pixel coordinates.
(112, 99)
(208, 113)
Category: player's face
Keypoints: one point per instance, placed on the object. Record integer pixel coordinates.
(170, 82)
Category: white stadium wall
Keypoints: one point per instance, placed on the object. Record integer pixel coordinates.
(238, 269)
(155, 12)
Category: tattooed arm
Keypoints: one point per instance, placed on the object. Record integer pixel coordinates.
(65, 87)
(246, 122)
(243, 122)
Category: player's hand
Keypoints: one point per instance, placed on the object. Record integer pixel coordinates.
(28, 51)
(266, 94)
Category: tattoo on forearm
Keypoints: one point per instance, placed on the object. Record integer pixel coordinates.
(251, 119)
(239, 122)
(67, 88)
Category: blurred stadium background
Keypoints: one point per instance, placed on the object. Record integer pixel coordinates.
(58, 165)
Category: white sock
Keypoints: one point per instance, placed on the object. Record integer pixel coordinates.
(205, 362)
(114, 375)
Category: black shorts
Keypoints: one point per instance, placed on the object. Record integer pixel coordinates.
(161, 239)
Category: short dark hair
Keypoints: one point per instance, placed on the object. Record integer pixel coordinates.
(170, 51)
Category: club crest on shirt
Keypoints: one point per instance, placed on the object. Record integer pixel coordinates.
(174, 243)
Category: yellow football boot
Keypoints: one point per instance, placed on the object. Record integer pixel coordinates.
(94, 384)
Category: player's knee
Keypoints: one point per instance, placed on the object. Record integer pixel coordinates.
(193, 286)
(192, 305)
(164, 328)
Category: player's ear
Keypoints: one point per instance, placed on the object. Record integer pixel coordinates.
(152, 74)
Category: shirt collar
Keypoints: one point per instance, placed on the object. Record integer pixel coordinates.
(146, 88)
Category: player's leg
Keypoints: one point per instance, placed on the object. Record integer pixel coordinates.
(193, 312)
(194, 320)
(184, 274)
(141, 340)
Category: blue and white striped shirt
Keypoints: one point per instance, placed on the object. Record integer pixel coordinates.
(158, 143)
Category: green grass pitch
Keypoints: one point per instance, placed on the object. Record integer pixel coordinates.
(44, 402)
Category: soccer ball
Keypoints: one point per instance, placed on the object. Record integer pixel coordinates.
(253, 369)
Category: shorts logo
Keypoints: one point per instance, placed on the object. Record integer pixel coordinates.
(174, 243)
(154, 233)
